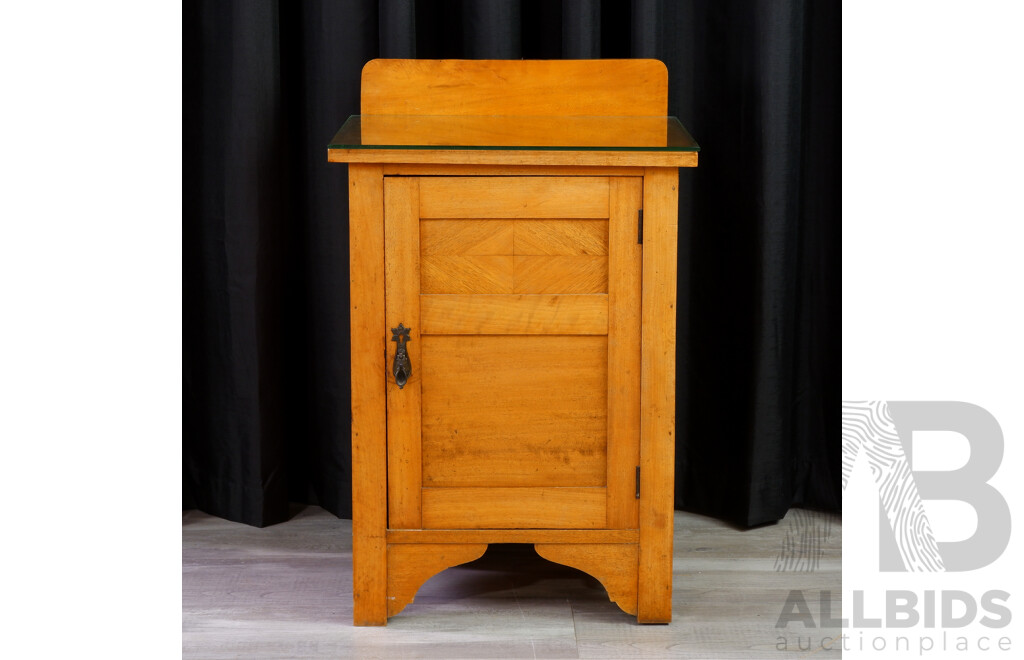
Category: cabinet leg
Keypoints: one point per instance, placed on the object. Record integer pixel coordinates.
(654, 588)
(369, 413)
(657, 393)
(369, 581)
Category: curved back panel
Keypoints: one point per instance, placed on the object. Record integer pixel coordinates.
(515, 87)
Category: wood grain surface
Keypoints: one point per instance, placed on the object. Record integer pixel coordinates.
(402, 281)
(561, 274)
(369, 425)
(444, 273)
(513, 536)
(409, 566)
(614, 566)
(561, 236)
(515, 197)
(658, 391)
(514, 410)
(466, 237)
(462, 169)
(515, 508)
(633, 87)
(624, 280)
(520, 131)
(515, 157)
(530, 314)
(513, 256)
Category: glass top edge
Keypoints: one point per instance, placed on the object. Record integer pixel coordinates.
(663, 133)
(467, 147)
(526, 116)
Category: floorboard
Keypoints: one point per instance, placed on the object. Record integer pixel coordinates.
(286, 592)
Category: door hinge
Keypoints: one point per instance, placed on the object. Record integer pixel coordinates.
(638, 482)
(640, 226)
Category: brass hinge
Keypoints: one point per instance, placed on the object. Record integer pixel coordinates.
(640, 229)
(638, 482)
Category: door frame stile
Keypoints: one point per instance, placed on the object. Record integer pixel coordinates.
(402, 305)
(625, 195)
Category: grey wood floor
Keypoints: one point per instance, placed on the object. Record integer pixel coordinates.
(286, 592)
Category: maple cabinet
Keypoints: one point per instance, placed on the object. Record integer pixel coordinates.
(513, 271)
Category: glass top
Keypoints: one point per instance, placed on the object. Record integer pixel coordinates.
(513, 133)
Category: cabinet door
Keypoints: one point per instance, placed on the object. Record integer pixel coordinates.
(523, 299)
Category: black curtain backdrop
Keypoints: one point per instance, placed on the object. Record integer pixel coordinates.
(266, 359)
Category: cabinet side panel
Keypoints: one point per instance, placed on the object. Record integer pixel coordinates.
(658, 363)
(624, 276)
(369, 478)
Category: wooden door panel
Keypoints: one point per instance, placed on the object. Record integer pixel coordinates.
(514, 256)
(466, 237)
(512, 508)
(551, 236)
(523, 314)
(443, 273)
(561, 236)
(514, 410)
(506, 274)
(561, 274)
(523, 408)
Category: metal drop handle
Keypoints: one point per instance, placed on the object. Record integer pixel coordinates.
(402, 367)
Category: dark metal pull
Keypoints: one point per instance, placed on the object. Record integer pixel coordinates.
(402, 368)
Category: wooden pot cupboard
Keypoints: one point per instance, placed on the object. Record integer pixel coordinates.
(513, 285)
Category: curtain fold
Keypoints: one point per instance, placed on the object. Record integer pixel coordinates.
(581, 29)
(645, 22)
(266, 353)
(398, 29)
(491, 29)
(233, 199)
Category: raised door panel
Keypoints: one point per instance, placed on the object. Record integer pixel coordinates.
(502, 425)
(523, 298)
